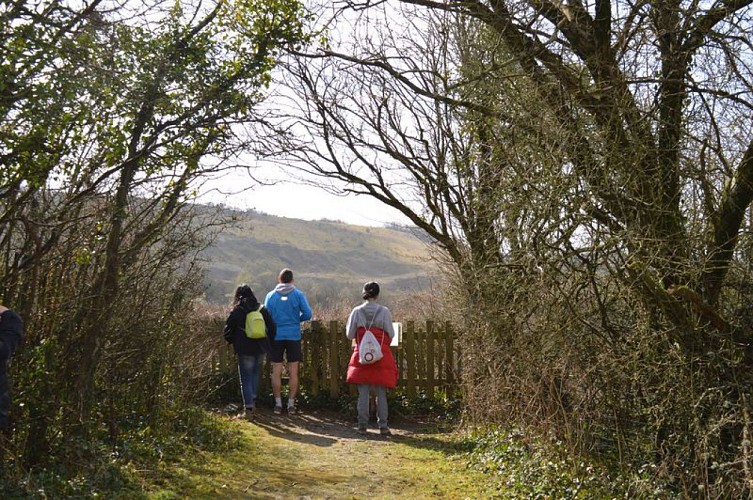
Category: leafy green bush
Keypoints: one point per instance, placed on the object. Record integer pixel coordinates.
(442, 406)
(528, 466)
(110, 469)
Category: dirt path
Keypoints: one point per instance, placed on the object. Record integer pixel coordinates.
(320, 455)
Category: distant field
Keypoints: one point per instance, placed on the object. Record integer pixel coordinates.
(330, 259)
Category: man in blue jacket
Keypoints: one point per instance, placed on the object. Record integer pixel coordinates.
(288, 307)
(11, 335)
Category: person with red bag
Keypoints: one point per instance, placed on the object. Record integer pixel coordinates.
(379, 375)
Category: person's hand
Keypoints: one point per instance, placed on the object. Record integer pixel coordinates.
(3, 309)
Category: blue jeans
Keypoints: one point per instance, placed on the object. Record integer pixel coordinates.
(249, 372)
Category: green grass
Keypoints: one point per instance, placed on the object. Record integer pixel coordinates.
(326, 459)
(319, 455)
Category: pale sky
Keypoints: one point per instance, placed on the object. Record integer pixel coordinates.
(287, 198)
(299, 202)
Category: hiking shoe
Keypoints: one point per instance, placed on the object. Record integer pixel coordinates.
(278, 410)
(292, 410)
(361, 430)
(250, 414)
(384, 431)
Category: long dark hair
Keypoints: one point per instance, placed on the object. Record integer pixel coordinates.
(243, 292)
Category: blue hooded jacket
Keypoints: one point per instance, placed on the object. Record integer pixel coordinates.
(288, 307)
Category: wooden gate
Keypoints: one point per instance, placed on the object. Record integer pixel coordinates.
(427, 358)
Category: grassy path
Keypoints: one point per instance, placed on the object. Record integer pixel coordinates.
(319, 455)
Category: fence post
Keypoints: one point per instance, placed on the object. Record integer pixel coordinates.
(440, 357)
(429, 357)
(313, 356)
(410, 358)
(334, 365)
(420, 358)
(345, 347)
(396, 354)
(449, 354)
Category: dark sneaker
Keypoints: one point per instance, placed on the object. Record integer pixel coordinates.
(361, 429)
(292, 410)
(278, 410)
(250, 414)
(384, 431)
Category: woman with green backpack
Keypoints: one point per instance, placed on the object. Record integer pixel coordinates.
(250, 342)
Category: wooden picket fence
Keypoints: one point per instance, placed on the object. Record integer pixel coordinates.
(427, 359)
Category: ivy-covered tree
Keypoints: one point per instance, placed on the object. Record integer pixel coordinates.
(592, 162)
(112, 115)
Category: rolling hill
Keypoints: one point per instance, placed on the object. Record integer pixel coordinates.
(330, 259)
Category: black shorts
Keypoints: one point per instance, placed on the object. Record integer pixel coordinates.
(292, 349)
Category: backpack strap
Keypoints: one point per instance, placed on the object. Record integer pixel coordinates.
(368, 328)
(359, 337)
(372, 322)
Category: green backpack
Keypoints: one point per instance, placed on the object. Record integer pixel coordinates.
(255, 326)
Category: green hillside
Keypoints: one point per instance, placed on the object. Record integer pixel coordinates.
(330, 259)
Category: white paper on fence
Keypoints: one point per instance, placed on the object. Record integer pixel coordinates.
(369, 350)
(398, 329)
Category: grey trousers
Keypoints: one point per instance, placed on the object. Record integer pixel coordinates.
(363, 404)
